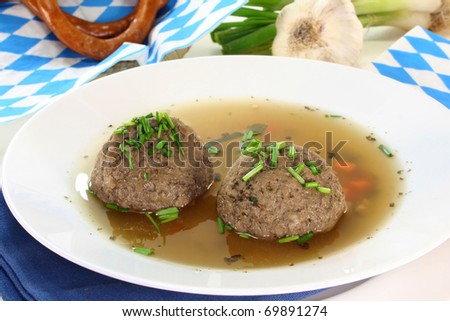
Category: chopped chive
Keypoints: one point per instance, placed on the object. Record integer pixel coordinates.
(300, 167)
(120, 130)
(228, 227)
(305, 237)
(291, 151)
(280, 145)
(145, 124)
(288, 239)
(213, 150)
(311, 184)
(129, 124)
(259, 167)
(122, 147)
(158, 117)
(324, 190)
(314, 170)
(244, 235)
(310, 163)
(274, 158)
(263, 154)
(168, 211)
(153, 222)
(385, 150)
(161, 144)
(159, 131)
(143, 250)
(116, 207)
(169, 120)
(247, 135)
(166, 152)
(127, 154)
(220, 225)
(165, 127)
(150, 115)
(146, 176)
(300, 179)
(168, 219)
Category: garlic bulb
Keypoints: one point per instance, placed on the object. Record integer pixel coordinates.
(326, 30)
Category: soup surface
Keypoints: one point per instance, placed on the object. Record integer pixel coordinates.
(371, 181)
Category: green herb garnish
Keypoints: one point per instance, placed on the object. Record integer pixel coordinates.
(385, 150)
(288, 239)
(168, 214)
(213, 150)
(116, 207)
(143, 250)
(149, 215)
(220, 225)
(324, 190)
(305, 237)
(300, 179)
(256, 169)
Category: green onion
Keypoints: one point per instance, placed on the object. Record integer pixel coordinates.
(143, 250)
(305, 237)
(129, 124)
(254, 34)
(288, 239)
(311, 184)
(220, 225)
(300, 179)
(385, 150)
(213, 150)
(153, 222)
(146, 176)
(324, 190)
(258, 167)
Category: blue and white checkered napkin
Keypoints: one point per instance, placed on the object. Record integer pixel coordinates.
(35, 66)
(420, 59)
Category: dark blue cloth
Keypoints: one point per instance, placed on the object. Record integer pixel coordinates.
(30, 271)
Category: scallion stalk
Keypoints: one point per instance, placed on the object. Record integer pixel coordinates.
(256, 32)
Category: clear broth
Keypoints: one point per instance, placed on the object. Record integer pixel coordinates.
(372, 189)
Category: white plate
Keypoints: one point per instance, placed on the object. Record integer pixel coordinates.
(37, 162)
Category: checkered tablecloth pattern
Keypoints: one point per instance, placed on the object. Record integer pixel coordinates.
(420, 59)
(35, 66)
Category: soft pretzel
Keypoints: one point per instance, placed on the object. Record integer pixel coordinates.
(84, 37)
(97, 29)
